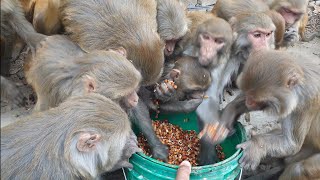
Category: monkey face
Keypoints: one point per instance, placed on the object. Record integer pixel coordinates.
(290, 15)
(260, 38)
(130, 101)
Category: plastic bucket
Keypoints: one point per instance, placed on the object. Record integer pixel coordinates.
(147, 168)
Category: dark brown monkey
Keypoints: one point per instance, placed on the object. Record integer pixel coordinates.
(120, 23)
(59, 68)
(227, 9)
(80, 139)
(172, 23)
(191, 79)
(286, 86)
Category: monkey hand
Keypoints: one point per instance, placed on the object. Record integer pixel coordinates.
(129, 149)
(291, 36)
(160, 151)
(214, 132)
(165, 91)
(252, 154)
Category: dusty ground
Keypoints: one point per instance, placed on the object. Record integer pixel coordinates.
(258, 123)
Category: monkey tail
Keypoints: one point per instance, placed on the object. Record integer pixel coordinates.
(12, 11)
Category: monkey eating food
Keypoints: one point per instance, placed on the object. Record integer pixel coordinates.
(80, 139)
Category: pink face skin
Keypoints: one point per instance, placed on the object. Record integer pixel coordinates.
(169, 48)
(252, 104)
(132, 100)
(209, 47)
(290, 15)
(260, 38)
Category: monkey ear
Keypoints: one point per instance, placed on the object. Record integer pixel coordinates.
(232, 21)
(87, 141)
(90, 84)
(293, 80)
(121, 50)
(175, 73)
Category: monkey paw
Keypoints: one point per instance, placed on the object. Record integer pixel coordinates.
(165, 91)
(207, 156)
(252, 154)
(160, 151)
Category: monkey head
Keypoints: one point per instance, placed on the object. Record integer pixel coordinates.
(119, 80)
(270, 80)
(213, 38)
(291, 10)
(172, 23)
(191, 78)
(254, 31)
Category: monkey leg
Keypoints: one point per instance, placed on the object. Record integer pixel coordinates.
(304, 153)
(141, 117)
(303, 170)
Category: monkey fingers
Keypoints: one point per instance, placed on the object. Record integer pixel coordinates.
(164, 92)
(251, 155)
(216, 132)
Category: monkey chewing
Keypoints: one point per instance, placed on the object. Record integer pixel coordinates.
(80, 139)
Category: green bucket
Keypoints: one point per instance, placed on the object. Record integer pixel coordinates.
(147, 168)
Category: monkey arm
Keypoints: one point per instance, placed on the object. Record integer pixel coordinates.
(276, 144)
(180, 106)
(141, 117)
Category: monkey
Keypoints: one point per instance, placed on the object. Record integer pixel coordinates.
(191, 79)
(287, 86)
(172, 23)
(254, 32)
(293, 12)
(227, 9)
(59, 68)
(80, 139)
(118, 24)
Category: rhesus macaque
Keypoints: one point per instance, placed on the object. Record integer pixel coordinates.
(254, 32)
(227, 9)
(105, 25)
(191, 80)
(286, 86)
(59, 68)
(172, 23)
(292, 11)
(80, 139)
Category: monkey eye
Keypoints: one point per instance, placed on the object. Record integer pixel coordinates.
(218, 41)
(286, 10)
(257, 35)
(268, 34)
(206, 36)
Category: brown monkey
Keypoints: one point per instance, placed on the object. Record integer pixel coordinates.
(286, 86)
(254, 32)
(191, 79)
(172, 23)
(120, 23)
(59, 68)
(80, 139)
(227, 9)
(292, 11)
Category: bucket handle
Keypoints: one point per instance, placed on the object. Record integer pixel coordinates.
(240, 175)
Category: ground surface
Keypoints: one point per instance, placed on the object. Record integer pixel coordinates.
(258, 123)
